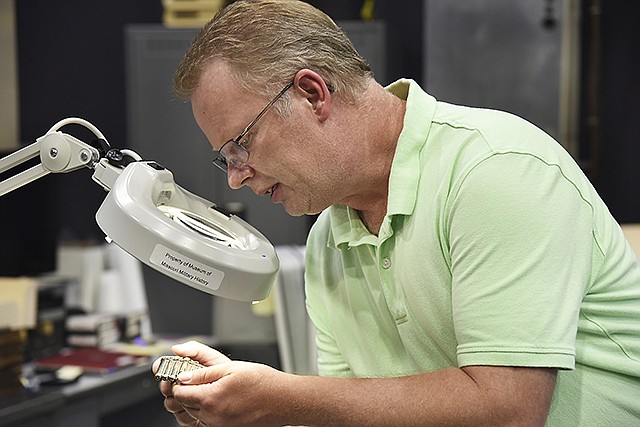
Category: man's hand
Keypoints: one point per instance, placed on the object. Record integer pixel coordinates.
(232, 394)
(224, 393)
(199, 352)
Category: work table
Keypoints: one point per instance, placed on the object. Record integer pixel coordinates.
(127, 397)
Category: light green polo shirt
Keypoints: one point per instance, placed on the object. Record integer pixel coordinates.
(495, 250)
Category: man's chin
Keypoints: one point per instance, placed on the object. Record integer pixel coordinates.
(296, 210)
(301, 212)
(294, 213)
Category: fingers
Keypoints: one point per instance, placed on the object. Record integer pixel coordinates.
(186, 409)
(166, 388)
(199, 352)
(180, 413)
(172, 405)
(155, 366)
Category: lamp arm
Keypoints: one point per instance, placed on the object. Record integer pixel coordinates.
(59, 153)
(17, 158)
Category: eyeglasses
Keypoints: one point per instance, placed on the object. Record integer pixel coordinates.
(233, 152)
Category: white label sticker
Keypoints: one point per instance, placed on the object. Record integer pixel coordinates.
(185, 269)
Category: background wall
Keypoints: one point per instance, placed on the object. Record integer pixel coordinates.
(617, 154)
(71, 63)
(8, 70)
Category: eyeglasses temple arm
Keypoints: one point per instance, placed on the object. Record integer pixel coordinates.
(264, 111)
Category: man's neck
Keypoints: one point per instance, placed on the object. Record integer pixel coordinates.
(384, 125)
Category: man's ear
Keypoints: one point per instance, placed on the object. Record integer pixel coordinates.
(310, 85)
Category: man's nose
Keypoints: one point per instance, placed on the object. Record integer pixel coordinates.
(236, 176)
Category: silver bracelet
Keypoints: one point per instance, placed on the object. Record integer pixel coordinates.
(171, 366)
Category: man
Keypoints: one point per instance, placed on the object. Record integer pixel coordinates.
(463, 271)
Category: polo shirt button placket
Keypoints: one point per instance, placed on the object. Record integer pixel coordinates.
(396, 306)
(386, 263)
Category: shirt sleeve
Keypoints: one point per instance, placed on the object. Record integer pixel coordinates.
(521, 248)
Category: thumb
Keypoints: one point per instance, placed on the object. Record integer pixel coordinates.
(203, 375)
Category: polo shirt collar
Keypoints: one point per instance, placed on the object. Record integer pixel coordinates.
(405, 169)
(346, 224)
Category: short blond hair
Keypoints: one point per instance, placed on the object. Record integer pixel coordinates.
(267, 41)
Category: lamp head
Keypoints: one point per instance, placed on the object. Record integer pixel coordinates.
(185, 236)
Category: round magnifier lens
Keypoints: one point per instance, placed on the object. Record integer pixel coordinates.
(202, 226)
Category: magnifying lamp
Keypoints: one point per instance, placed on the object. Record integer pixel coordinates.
(148, 215)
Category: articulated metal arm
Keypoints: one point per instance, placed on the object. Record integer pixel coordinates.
(58, 152)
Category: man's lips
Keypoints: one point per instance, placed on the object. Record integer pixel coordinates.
(268, 191)
(272, 192)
